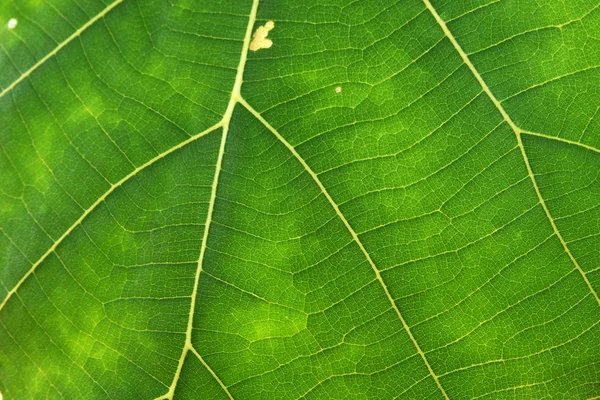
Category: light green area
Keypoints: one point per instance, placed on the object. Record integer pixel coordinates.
(388, 221)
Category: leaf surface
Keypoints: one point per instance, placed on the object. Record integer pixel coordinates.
(390, 200)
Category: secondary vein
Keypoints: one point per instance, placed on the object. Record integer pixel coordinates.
(518, 132)
(354, 237)
(62, 44)
(91, 208)
(559, 139)
(193, 350)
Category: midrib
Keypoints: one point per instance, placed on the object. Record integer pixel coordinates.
(234, 99)
(518, 132)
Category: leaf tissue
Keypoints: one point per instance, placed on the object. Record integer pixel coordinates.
(321, 199)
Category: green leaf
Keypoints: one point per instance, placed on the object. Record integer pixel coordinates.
(361, 199)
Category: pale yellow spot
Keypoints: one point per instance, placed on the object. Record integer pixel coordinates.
(259, 38)
(338, 89)
(11, 25)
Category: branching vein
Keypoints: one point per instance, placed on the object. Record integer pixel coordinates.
(518, 132)
(91, 208)
(354, 237)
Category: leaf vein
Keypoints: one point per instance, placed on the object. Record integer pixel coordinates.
(354, 236)
(518, 132)
(75, 34)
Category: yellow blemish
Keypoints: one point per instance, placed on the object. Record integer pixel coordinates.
(259, 38)
(12, 23)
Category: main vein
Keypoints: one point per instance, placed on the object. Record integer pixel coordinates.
(235, 98)
(355, 237)
(62, 44)
(518, 132)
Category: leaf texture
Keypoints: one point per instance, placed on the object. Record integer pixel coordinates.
(394, 199)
